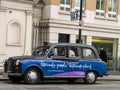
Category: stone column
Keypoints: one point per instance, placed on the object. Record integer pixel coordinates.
(89, 40)
(72, 38)
(28, 34)
(118, 48)
(118, 55)
(2, 33)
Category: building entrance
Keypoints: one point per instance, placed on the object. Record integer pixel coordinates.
(110, 46)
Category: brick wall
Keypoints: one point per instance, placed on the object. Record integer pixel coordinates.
(91, 5)
(118, 6)
(52, 2)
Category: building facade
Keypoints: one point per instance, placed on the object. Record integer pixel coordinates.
(37, 21)
(101, 23)
(16, 25)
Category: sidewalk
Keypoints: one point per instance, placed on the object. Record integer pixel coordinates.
(112, 75)
(110, 78)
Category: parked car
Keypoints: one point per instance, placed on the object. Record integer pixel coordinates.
(52, 61)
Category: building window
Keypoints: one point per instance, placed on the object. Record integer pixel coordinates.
(65, 5)
(64, 38)
(100, 8)
(77, 5)
(112, 9)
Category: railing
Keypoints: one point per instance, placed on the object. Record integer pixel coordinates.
(113, 64)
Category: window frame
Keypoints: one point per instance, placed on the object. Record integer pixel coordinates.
(65, 6)
(112, 13)
(99, 11)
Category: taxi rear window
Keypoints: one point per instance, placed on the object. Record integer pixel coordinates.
(88, 53)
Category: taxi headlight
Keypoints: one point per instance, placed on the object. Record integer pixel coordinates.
(17, 62)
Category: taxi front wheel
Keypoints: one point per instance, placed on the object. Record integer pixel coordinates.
(90, 77)
(32, 76)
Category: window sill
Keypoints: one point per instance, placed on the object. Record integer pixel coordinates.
(113, 19)
(109, 19)
(68, 13)
(64, 12)
(100, 17)
(17, 45)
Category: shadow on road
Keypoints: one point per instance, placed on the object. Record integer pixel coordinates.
(50, 82)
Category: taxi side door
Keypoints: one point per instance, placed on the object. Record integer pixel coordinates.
(57, 65)
(75, 63)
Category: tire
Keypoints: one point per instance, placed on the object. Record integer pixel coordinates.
(90, 77)
(32, 76)
(15, 79)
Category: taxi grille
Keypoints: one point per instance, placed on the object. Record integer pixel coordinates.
(9, 65)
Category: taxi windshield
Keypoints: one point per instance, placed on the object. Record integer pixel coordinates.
(41, 51)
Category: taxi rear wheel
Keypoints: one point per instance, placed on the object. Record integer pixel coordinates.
(32, 76)
(90, 77)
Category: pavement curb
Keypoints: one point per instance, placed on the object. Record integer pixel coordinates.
(110, 78)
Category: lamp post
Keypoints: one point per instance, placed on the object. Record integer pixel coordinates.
(80, 20)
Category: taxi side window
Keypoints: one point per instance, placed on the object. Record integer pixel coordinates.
(88, 53)
(74, 51)
(58, 51)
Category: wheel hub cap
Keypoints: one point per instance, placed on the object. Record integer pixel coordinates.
(91, 77)
(32, 76)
